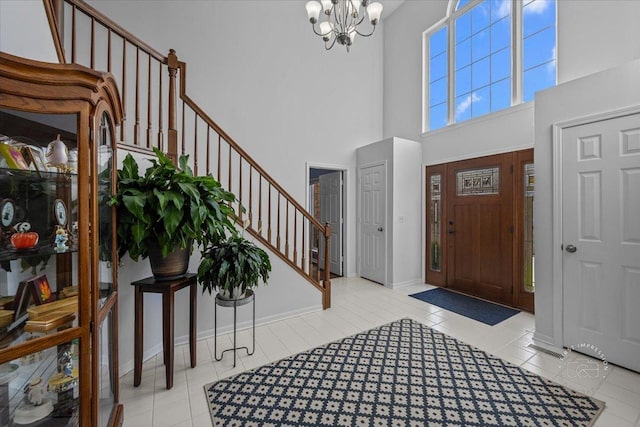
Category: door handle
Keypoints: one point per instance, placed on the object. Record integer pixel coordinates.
(571, 248)
(380, 229)
(450, 231)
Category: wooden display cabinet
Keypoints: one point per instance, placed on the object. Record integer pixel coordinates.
(58, 298)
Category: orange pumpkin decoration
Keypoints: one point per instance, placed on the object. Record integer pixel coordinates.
(24, 240)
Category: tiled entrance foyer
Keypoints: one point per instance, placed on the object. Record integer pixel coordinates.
(359, 305)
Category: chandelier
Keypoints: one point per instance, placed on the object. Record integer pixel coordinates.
(342, 19)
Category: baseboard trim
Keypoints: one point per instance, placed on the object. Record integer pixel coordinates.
(128, 366)
(399, 285)
(546, 342)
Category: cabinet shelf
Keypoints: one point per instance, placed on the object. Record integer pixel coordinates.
(10, 254)
(35, 176)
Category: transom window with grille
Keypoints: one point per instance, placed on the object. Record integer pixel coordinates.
(487, 55)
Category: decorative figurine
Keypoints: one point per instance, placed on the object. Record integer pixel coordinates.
(57, 154)
(74, 229)
(63, 384)
(60, 240)
(65, 364)
(35, 391)
(35, 405)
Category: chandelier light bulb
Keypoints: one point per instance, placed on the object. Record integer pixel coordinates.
(325, 30)
(313, 11)
(374, 10)
(326, 6)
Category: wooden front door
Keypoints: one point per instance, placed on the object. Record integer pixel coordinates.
(479, 227)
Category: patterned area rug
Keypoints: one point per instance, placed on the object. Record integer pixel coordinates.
(400, 374)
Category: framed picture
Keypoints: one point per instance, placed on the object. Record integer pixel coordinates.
(22, 299)
(13, 156)
(60, 212)
(40, 289)
(34, 157)
(7, 213)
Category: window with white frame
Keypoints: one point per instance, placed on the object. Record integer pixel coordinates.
(488, 55)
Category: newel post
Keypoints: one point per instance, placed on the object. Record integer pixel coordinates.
(172, 133)
(326, 298)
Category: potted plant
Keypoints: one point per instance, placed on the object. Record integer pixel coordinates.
(232, 267)
(161, 213)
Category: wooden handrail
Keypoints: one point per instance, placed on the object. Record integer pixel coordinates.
(186, 134)
(102, 19)
(291, 258)
(54, 11)
(204, 116)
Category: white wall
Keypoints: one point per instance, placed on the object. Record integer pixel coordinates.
(403, 65)
(592, 36)
(406, 214)
(596, 35)
(29, 36)
(402, 209)
(259, 71)
(605, 91)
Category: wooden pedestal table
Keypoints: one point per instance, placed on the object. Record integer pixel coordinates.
(167, 288)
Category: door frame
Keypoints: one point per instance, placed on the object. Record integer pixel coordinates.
(557, 212)
(345, 206)
(383, 163)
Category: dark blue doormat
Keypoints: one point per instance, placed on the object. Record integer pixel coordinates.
(474, 308)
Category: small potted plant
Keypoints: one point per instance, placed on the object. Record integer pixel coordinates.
(232, 267)
(161, 213)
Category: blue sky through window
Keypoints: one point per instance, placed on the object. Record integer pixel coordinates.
(482, 58)
(539, 46)
(438, 79)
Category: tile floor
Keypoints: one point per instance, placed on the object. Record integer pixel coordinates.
(359, 305)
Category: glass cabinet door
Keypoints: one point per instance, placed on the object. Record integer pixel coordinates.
(106, 265)
(39, 274)
(104, 340)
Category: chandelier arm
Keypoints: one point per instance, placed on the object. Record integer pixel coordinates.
(313, 26)
(366, 35)
(338, 26)
(345, 16)
(332, 43)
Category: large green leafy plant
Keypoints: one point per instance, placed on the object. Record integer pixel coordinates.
(233, 263)
(169, 206)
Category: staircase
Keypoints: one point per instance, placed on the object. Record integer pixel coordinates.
(159, 113)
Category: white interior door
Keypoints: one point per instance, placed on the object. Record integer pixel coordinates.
(372, 223)
(601, 239)
(331, 212)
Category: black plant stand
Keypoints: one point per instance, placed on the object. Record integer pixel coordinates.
(234, 303)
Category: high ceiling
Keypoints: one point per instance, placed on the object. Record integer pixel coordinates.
(389, 6)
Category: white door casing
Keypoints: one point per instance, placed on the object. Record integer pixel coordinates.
(372, 193)
(331, 196)
(600, 223)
